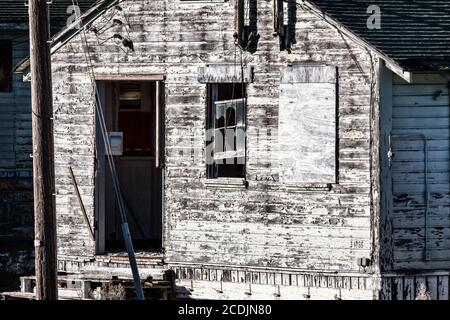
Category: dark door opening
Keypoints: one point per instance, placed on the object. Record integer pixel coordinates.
(132, 111)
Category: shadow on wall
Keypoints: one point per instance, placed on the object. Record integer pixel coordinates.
(16, 230)
(16, 257)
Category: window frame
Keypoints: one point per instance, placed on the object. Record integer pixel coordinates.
(199, 2)
(211, 121)
(311, 76)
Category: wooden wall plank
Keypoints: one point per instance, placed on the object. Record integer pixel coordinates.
(432, 285)
(409, 288)
(443, 287)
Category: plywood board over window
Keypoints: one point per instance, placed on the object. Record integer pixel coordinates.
(307, 124)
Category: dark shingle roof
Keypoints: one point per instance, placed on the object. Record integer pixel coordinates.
(415, 33)
(15, 11)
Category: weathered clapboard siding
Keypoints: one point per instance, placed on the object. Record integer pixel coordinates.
(15, 142)
(228, 283)
(268, 225)
(407, 287)
(421, 108)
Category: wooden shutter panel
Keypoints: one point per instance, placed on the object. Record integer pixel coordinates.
(225, 73)
(307, 124)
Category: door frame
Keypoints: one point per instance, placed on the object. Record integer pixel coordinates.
(100, 164)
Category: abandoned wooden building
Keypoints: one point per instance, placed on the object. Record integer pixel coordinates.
(335, 184)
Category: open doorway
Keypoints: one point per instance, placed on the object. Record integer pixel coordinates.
(133, 113)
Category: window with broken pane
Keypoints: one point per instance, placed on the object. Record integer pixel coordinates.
(226, 123)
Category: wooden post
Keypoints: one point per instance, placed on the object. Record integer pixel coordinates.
(43, 167)
(157, 123)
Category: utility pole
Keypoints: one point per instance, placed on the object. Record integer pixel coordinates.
(43, 166)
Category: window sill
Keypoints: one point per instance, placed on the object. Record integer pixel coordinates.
(227, 183)
(187, 2)
(308, 187)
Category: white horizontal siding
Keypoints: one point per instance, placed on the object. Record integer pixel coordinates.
(421, 108)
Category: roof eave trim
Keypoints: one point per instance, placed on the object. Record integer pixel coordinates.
(398, 70)
(391, 64)
(70, 31)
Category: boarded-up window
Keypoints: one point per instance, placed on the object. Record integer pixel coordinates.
(5, 65)
(307, 124)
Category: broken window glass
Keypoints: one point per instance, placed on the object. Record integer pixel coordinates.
(226, 117)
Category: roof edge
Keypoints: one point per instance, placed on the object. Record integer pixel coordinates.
(69, 32)
(90, 15)
(391, 64)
